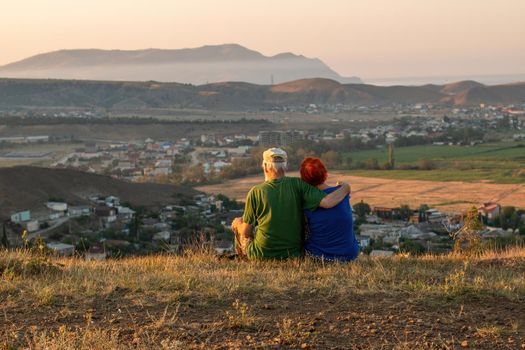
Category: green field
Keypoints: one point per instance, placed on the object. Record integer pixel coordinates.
(496, 162)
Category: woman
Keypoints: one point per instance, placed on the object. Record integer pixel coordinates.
(330, 232)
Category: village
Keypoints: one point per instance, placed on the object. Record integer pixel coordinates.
(202, 158)
(108, 228)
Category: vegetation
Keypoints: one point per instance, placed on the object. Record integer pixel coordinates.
(467, 240)
(197, 301)
(498, 162)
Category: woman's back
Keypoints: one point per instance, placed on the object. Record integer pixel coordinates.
(331, 233)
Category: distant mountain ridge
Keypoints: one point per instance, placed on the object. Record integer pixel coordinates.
(212, 63)
(239, 96)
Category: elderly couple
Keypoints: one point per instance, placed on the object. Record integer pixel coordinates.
(282, 209)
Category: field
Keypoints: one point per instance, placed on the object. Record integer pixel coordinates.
(447, 196)
(201, 302)
(498, 162)
(56, 151)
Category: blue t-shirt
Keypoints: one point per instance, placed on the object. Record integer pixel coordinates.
(331, 232)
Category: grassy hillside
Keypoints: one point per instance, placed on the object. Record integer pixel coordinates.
(498, 162)
(26, 187)
(200, 302)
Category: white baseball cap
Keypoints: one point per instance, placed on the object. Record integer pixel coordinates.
(275, 155)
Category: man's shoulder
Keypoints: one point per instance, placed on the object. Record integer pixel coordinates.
(257, 188)
(293, 180)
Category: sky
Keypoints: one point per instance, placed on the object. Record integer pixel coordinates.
(366, 38)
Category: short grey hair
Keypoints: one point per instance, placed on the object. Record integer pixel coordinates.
(276, 166)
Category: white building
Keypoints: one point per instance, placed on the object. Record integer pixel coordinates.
(62, 249)
(32, 226)
(381, 253)
(21, 217)
(57, 206)
(95, 253)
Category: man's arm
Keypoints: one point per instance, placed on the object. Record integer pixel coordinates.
(244, 229)
(335, 197)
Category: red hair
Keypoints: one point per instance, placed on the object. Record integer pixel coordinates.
(313, 171)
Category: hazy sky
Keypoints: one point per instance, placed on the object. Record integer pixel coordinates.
(368, 38)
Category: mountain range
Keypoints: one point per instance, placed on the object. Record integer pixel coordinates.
(213, 63)
(240, 96)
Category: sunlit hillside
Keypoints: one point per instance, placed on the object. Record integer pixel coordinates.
(203, 302)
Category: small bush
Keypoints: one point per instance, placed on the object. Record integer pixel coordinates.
(427, 164)
(25, 267)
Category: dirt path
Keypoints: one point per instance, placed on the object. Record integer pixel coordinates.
(447, 196)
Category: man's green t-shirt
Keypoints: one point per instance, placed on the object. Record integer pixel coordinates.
(276, 209)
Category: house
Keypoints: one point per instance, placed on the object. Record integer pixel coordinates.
(62, 249)
(125, 213)
(162, 236)
(96, 253)
(364, 242)
(112, 201)
(79, 211)
(57, 206)
(377, 231)
(384, 213)
(489, 210)
(21, 217)
(32, 225)
(107, 215)
(435, 216)
(381, 253)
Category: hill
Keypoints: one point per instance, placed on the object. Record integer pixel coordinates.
(239, 96)
(497, 94)
(199, 302)
(27, 187)
(212, 63)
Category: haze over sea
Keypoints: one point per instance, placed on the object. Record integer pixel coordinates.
(440, 80)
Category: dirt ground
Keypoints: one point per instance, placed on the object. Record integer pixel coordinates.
(447, 196)
(355, 322)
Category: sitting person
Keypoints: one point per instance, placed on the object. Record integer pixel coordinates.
(330, 231)
(275, 207)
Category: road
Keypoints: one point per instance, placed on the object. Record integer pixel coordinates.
(41, 233)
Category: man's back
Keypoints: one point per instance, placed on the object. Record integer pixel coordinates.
(276, 208)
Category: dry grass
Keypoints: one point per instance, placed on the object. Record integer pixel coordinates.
(198, 301)
(392, 192)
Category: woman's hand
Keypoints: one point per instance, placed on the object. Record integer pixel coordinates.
(344, 185)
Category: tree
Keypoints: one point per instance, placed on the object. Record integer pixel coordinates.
(426, 164)
(195, 174)
(331, 158)
(409, 246)
(404, 212)
(361, 209)
(391, 159)
(510, 218)
(467, 240)
(372, 164)
(423, 212)
(5, 241)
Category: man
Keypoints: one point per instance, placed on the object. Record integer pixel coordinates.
(275, 207)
